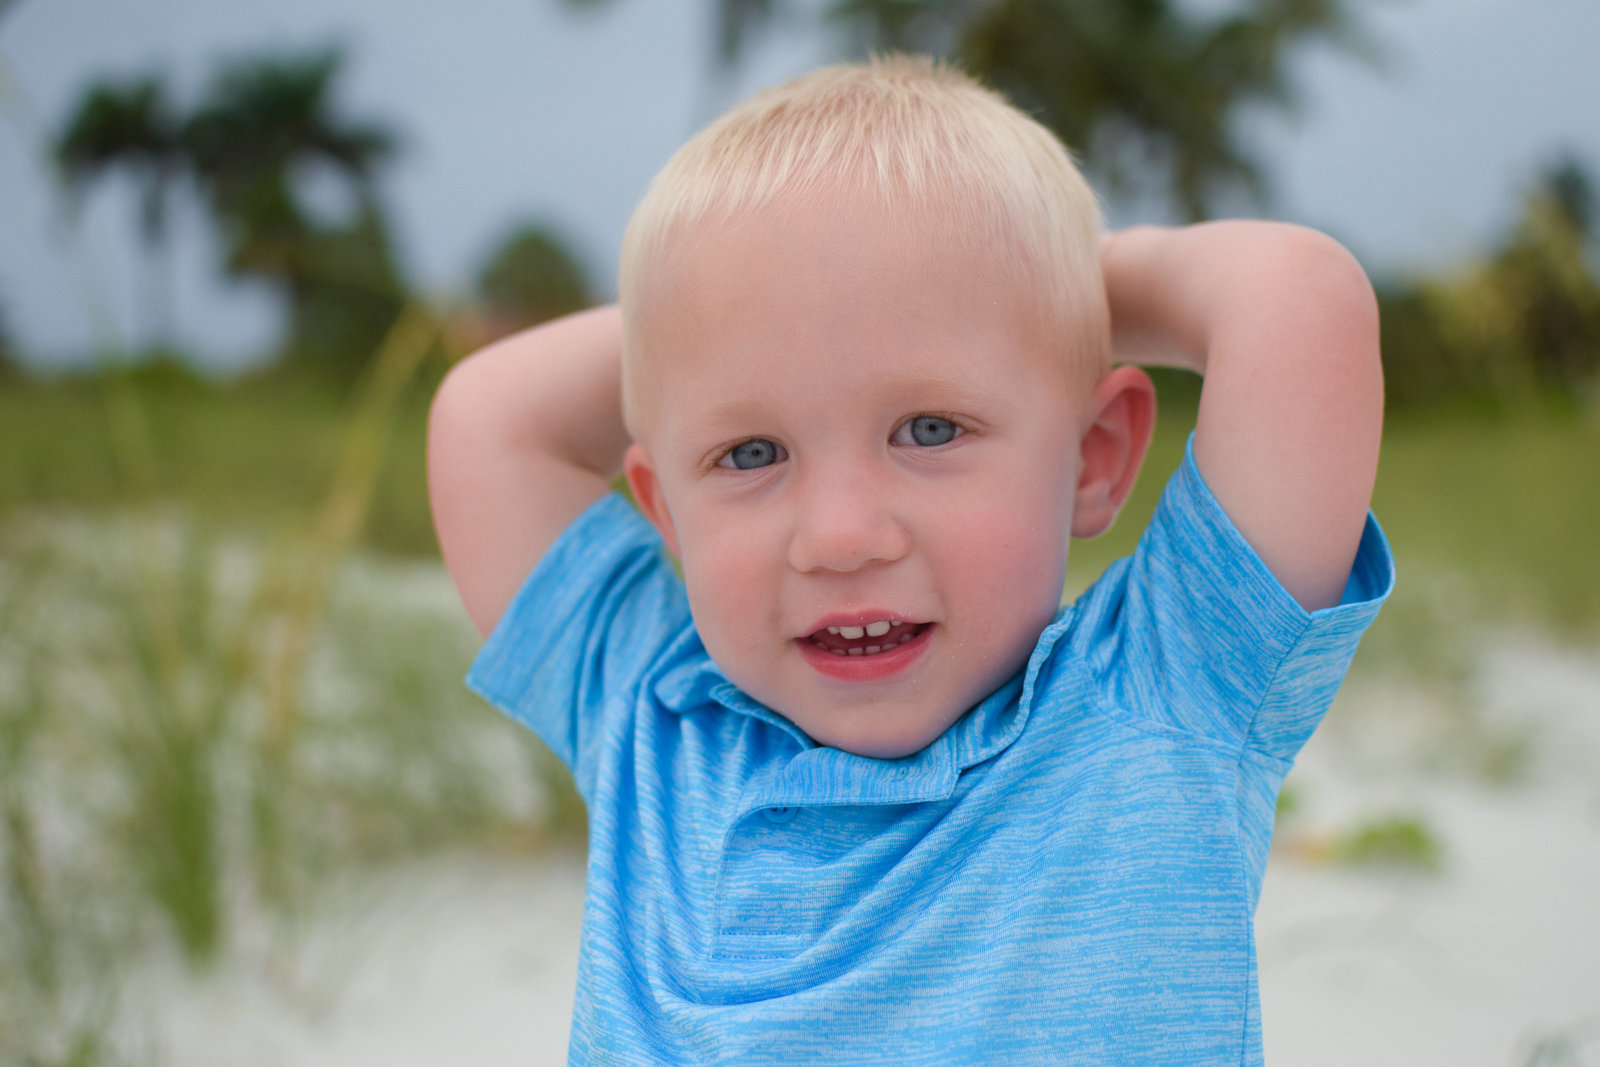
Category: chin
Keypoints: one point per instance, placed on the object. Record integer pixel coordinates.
(894, 743)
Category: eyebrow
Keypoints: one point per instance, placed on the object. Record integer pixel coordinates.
(965, 388)
(961, 389)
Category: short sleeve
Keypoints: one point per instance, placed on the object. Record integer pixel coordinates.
(593, 616)
(1209, 641)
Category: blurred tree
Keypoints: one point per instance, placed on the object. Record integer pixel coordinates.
(532, 277)
(1148, 91)
(262, 134)
(1571, 190)
(263, 129)
(1548, 268)
(1524, 320)
(130, 127)
(1145, 91)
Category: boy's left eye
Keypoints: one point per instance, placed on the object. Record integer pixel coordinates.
(753, 454)
(928, 431)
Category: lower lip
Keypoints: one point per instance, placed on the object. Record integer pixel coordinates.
(866, 668)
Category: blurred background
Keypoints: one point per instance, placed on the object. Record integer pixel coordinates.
(248, 813)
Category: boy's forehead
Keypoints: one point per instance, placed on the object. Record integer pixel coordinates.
(818, 237)
(825, 265)
(726, 362)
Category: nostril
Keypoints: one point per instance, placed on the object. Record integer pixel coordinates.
(848, 544)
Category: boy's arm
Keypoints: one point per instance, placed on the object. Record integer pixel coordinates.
(522, 437)
(1284, 326)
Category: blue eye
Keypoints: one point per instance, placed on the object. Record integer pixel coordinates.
(928, 431)
(750, 455)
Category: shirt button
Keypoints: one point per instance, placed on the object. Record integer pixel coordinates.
(779, 815)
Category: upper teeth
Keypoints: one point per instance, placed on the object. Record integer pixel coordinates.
(871, 629)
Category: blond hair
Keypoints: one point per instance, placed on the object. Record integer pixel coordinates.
(907, 132)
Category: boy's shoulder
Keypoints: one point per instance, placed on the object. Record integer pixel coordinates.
(1193, 632)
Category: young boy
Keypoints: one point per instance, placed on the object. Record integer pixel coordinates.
(858, 791)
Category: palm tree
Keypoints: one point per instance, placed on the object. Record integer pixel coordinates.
(262, 124)
(1145, 91)
(129, 127)
(260, 121)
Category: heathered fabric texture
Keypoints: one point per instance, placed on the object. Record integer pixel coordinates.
(1067, 875)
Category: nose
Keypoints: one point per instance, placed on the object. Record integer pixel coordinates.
(846, 522)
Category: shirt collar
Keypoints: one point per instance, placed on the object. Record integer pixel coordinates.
(818, 775)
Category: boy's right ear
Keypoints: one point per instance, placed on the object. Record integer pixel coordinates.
(646, 488)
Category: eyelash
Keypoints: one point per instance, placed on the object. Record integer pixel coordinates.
(961, 429)
(720, 459)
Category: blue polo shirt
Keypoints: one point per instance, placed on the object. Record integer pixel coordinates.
(1068, 874)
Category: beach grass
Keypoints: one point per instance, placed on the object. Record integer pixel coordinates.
(215, 697)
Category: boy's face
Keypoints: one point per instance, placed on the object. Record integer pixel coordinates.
(846, 430)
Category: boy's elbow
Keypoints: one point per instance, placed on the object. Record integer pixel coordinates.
(1334, 279)
(449, 414)
(1343, 366)
(463, 437)
(1338, 307)
(473, 406)
(1352, 310)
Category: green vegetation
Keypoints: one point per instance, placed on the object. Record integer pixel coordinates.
(532, 277)
(172, 771)
(209, 708)
(1511, 505)
(1506, 507)
(1512, 329)
(1399, 842)
(251, 459)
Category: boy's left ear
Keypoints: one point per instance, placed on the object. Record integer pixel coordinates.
(1119, 418)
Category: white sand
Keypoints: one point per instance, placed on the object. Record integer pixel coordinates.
(1500, 950)
(467, 962)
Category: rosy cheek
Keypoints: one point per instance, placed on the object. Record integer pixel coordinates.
(726, 586)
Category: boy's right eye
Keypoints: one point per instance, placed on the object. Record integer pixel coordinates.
(752, 454)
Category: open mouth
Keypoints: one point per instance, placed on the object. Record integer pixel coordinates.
(868, 639)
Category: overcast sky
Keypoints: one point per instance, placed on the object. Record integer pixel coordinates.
(517, 109)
